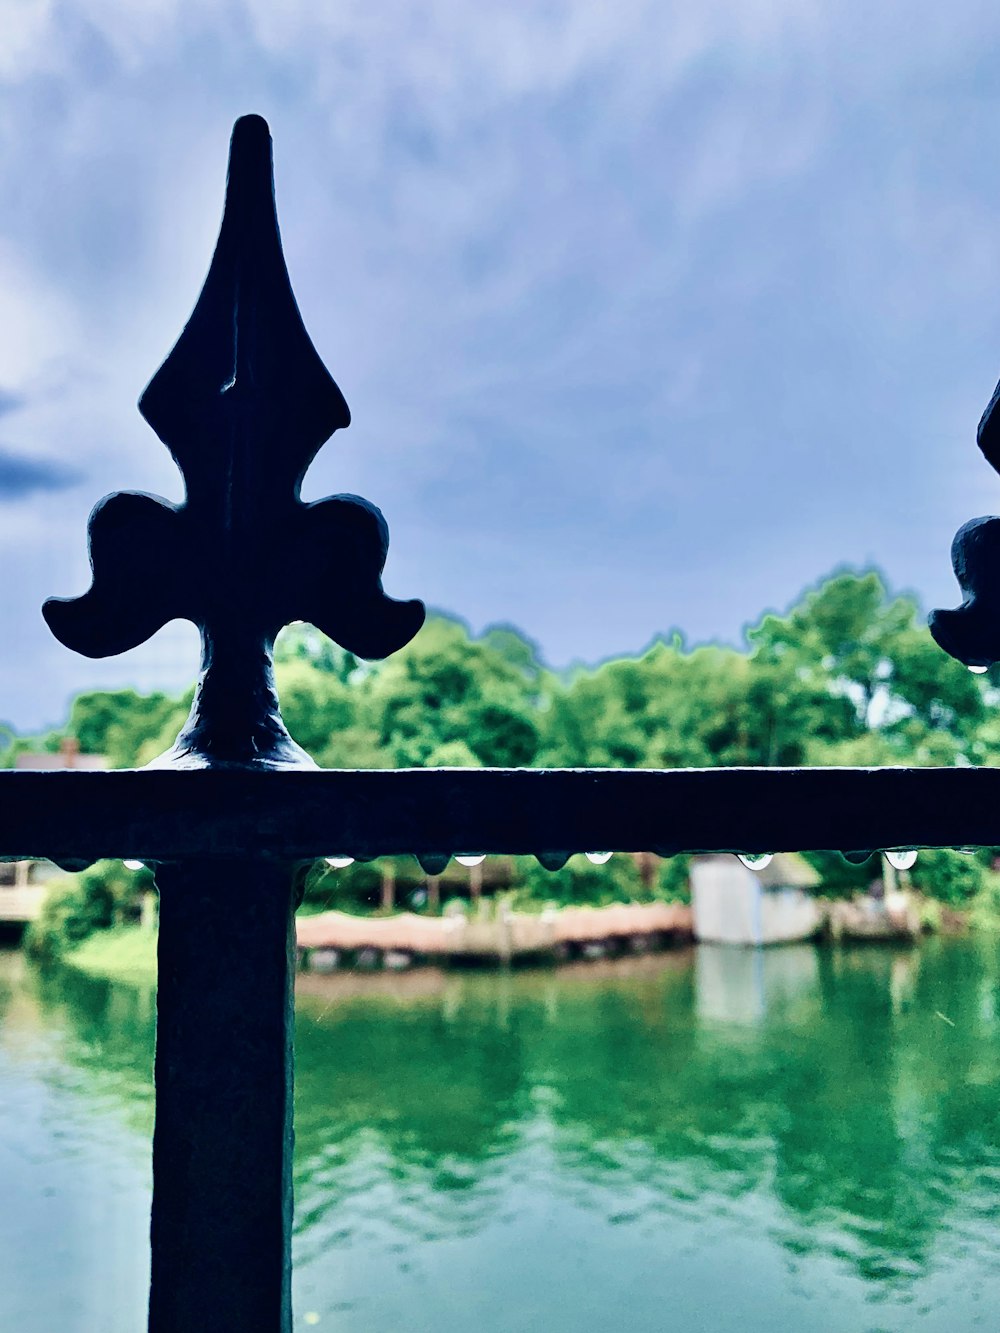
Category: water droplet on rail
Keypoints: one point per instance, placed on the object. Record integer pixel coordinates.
(756, 860)
(470, 858)
(433, 863)
(339, 862)
(901, 860)
(552, 860)
(598, 858)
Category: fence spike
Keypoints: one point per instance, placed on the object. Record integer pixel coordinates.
(243, 402)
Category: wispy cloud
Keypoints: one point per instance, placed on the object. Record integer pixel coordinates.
(20, 477)
(9, 402)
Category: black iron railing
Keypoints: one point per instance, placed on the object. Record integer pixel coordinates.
(243, 402)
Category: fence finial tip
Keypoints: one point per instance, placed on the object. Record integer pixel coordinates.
(251, 124)
(250, 148)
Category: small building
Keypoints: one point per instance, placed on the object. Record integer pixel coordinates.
(67, 756)
(23, 887)
(733, 904)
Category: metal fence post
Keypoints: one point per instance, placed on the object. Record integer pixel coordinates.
(243, 402)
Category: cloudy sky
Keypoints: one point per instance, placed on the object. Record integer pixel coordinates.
(649, 313)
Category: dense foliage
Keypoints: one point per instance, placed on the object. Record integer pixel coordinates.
(849, 675)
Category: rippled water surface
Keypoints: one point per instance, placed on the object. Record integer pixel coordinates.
(709, 1140)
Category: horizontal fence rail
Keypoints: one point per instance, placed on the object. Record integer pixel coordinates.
(169, 815)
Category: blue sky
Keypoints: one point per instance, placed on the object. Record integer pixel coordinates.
(648, 314)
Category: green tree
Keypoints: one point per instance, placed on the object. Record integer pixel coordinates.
(303, 642)
(119, 723)
(883, 692)
(321, 711)
(447, 687)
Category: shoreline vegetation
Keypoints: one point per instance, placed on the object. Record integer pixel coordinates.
(850, 675)
(127, 953)
(391, 943)
(121, 953)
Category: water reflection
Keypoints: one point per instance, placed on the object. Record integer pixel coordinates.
(743, 1139)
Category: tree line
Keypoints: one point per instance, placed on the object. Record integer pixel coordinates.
(849, 675)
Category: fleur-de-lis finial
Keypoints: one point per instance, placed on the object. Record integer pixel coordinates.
(243, 403)
(971, 632)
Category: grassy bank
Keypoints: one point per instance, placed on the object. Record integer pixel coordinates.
(123, 953)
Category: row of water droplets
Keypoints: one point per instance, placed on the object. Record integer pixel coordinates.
(469, 859)
(899, 859)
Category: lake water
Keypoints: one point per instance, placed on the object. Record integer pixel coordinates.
(706, 1140)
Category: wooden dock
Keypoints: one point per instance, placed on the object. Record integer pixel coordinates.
(333, 939)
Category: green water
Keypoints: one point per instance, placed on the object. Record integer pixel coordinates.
(713, 1140)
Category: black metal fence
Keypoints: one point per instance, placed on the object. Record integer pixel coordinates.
(243, 402)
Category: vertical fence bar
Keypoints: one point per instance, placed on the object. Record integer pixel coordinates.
(243, 402)
(222, 1146)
